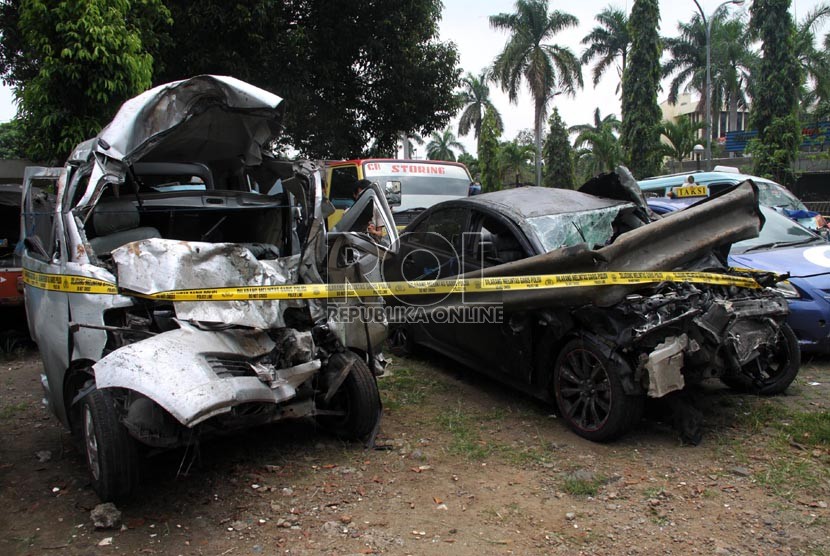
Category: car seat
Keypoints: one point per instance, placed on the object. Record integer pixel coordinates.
(116, 223)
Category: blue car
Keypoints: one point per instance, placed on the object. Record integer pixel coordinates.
(785, 246)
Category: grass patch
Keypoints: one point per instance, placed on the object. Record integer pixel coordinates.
(13, 410)
(407, 385)
(464, 429)
(809, 428)
(786, 476)
(582, 487)
(761, 414)
(652, 492)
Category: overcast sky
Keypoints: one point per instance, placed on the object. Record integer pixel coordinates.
(466, 23)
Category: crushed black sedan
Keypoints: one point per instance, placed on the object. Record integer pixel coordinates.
(598, 351)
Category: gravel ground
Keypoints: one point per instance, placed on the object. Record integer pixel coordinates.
(463, 466)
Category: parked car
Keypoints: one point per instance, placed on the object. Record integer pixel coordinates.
(784, 246)
(598, 350)
(770, 194)
(11, 279)
(179, 193)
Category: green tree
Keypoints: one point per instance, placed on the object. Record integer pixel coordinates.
(815, 62)
(559, 155)
(441, 145)
(488, 152)
(731, 62)
(514, 161)
(597, 146)
(72, 63)
(681, 136)
(475, 99)
(608, 42)
(471, 163)
(548, 69)
(640, 134)
(352, 74)
(775, 98)
(12, 140)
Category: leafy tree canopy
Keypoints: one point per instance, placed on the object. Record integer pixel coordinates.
(776, 90)
(350, 72)
(12, 144)
(475, 99)
(558, 155)
(488, 152)
(681, 136)
(607, 42)
(72, 63)
(640, 134)
(442, 146)
(547, 69)
(353, 74)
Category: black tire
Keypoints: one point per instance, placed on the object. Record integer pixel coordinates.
(590, 394)
(110, 452)
(773, 371)
(357, 400)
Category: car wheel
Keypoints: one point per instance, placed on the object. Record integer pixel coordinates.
(590, 395)
(773, 370)
(110, 451)
(354, 410)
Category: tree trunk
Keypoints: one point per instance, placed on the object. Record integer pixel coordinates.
(538, 114)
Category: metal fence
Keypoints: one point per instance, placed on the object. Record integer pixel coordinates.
(821, 207)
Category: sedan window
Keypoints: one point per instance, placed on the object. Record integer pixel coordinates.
(594, 227)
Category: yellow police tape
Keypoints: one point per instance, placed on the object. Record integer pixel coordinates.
(79, 284)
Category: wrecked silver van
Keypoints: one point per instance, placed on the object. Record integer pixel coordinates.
(179, 193)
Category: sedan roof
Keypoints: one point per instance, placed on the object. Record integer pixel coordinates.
(530, 202)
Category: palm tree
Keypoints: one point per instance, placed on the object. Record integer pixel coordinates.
(610, 122)
(548, 69)
(514, 159)
(731, 61)
(682, 137)
(475, 100)
(815, 63)
(597, 146)
(441, 145)
(608, 41)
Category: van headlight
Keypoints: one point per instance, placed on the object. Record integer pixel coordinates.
(786, 289)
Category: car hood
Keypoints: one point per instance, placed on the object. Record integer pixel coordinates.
(810, 260)
(206, 117)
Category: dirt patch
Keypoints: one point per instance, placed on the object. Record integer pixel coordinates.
(465, 466)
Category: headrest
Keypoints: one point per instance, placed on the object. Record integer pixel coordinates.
(115, 216)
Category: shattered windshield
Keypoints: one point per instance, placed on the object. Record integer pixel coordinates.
(594, 227)
(770, 194)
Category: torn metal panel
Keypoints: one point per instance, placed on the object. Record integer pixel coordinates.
(205, 116)
(192, 384)
(157, 265)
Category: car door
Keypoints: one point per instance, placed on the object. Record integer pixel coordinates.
(43, 255)
(354, 257)
(431, 250)
(502, 345)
